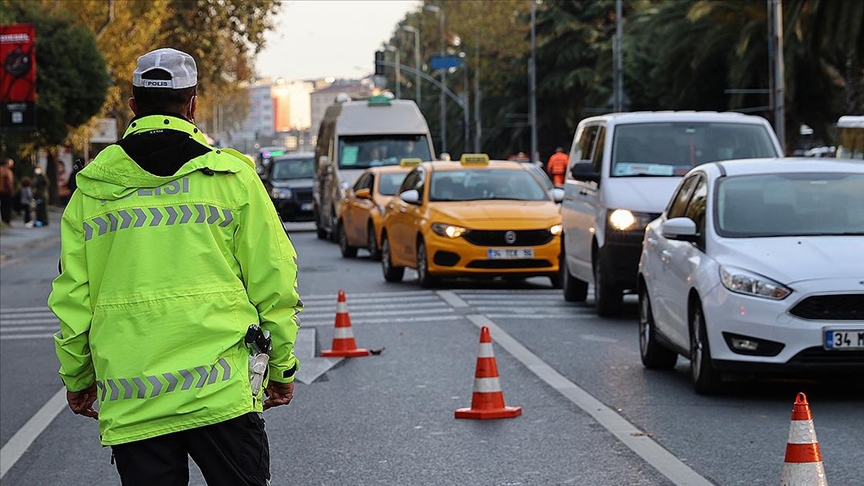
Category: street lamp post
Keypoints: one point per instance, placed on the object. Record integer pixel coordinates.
(440, 12)
(395, 50)
(416, 32)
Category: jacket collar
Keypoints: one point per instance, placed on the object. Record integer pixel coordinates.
(162, 122)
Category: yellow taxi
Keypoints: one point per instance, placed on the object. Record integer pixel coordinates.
(361, 211)
(471, 218)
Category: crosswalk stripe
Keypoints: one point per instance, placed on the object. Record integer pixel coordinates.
(24, 322)
(7, 337)
(9, 330)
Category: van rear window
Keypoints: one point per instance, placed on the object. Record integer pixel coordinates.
(364, 151)
(672, 149)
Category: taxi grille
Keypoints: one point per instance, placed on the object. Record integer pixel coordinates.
(496, 238)
(498, 264)
(846, 307)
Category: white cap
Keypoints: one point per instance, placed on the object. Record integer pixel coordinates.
(181, 66)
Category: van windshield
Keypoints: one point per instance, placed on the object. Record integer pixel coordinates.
(671, 149)
(364, 151)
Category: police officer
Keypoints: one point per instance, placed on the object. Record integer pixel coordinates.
(171, 250)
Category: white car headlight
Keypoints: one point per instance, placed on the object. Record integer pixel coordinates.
(625, 220)
(555, 230)
(448, 230)
(749, 283)
(277, 193)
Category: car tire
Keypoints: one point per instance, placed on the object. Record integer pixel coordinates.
(372, 243)
(654, 355)
(347, 250)
(706, 379)
(391, 273)
(333, 233)
(423, 277)
(574, 289)
(607, 297)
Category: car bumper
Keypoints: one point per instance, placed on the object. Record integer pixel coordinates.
(798, 343)
(295, 211)
(455, 257)
(620, 257)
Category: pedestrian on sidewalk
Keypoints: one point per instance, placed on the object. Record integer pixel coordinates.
(7, 189)
(26, 201)
(40, 197)
(155, 304)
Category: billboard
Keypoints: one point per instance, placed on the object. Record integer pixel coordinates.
(17, 77)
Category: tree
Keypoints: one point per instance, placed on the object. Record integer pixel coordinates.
(71, 80)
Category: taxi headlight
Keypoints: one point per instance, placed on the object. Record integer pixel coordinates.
(625, 220)
(555, 230)
(748, 283)
(448, 230)
(280, 193)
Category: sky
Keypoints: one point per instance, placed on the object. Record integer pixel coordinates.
(320, 38)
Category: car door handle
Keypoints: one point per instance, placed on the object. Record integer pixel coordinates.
(583, 192)
(402, 210)
(652, 242)
(665, 255)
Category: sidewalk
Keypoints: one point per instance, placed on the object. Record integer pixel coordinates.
(17, 237)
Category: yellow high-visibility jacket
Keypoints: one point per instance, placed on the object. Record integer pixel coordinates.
(161, 276)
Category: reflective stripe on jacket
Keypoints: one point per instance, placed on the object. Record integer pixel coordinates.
(161, 277)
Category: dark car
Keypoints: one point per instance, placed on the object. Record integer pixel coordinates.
(288, 179)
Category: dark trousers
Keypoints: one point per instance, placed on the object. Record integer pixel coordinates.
(230, 453)
(6, 208)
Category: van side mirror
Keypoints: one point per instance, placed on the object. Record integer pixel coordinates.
(411, 196)
(583, 170)
(364, 193)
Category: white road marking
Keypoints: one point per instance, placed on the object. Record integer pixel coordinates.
(653, 453)
(18, 444)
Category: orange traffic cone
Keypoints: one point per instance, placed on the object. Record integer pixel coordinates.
(803, 463)
(343, 338)
(487, 401)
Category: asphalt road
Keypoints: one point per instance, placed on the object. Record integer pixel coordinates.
(591, 413)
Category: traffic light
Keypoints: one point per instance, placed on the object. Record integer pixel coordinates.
(379, 58)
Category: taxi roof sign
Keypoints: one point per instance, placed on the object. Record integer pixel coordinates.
(474, 159)
(410, 162)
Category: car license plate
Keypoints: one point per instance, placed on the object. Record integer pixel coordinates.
(306, 207)
(510, 253)
(844, 339)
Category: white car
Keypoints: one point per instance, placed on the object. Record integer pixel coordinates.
(756, 266)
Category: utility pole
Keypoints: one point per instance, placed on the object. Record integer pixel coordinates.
(478, 126)
(618, 75)
(417, 91)
(775, 9)
(443, 115)
(532, 84)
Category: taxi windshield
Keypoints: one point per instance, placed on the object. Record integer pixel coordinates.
(475, 185)
(389, 183)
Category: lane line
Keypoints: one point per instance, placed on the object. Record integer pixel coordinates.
(637, 440)
(21, 441)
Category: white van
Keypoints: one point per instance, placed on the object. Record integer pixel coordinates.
(356, 135)
(626, 167)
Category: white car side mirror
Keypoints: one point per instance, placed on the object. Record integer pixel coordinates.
(558, 194)
(679, 229)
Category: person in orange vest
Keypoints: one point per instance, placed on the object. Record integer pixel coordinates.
(557, 166)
